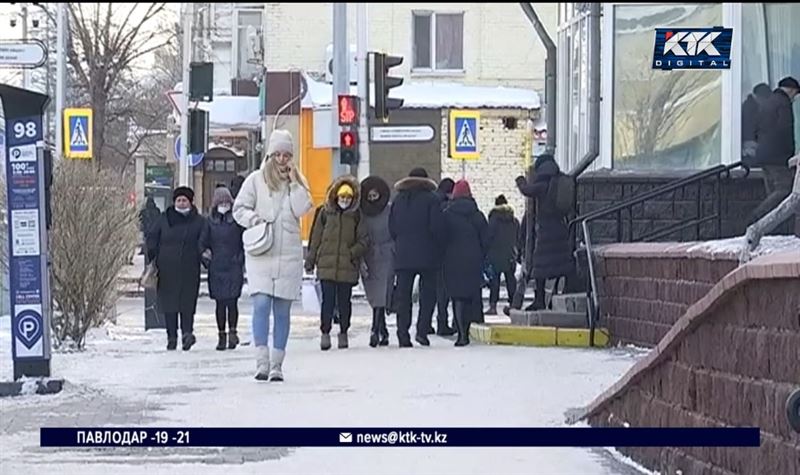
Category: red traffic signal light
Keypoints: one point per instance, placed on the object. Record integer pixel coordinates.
(348, 139)
(348, 110)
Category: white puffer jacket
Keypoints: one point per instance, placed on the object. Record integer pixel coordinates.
(279, 272)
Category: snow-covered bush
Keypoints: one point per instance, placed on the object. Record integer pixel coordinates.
(95, 231)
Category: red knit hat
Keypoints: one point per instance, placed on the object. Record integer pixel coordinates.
(462, 190)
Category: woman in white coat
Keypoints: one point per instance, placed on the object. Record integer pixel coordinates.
(277, 193)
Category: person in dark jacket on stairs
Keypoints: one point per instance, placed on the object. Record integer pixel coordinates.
(223, 254)
(503, 233)
(338, 242)
(174, 245)
(552, 255)
(415, 223)
(466, 246)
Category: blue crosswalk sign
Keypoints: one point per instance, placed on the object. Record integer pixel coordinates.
(78, 133)
(463, 135)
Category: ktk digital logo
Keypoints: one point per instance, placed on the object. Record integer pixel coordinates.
(692, 48)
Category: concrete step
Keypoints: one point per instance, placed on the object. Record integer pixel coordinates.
(570, 303)
(500, 334)
(549, 318)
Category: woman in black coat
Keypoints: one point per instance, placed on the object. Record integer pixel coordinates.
(552, 255)
(503, 235)
(464, 254)
(223, 254)
(174, 245)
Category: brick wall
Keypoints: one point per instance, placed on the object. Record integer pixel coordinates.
(597, 190)
(731, 361)
(645, 288)
(501, 159)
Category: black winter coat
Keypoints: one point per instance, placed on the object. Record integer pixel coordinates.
(148, 216)
(750, 110)
(503, 235)
(552, 256)
(223, 237)
(466, 245)
(415, 223)
(174, 244)
(775, 132)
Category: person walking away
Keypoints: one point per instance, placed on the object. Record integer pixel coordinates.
(236, 185)
(173, 243)
(337, 244)
(552, 255)
(750, 111)
(415, 223)
(223, 254)
(445, 194)
(503, 252)
(148, 217)
(466, 246)
(377, 273)
(776, 145)
(277, 193)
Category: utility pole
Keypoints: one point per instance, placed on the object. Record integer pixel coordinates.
(26, 79)
(363, 91)
(61, 76)
(341, 79)
(187, 10)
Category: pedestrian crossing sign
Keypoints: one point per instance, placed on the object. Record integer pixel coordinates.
(78, 133)
(463, 135)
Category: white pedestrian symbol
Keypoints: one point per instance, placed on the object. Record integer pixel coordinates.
(466, 139)
(79, 135)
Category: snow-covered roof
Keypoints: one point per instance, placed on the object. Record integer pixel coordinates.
(435, 95)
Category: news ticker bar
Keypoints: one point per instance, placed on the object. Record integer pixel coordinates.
(400, 437)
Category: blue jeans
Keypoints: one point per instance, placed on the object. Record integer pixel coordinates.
(263, 305)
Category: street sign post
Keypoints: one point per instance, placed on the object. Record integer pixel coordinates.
(194, 158)
(22, 54)
(462, 137)
(78, 133)
(29, 280)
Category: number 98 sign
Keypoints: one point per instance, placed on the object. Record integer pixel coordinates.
(25, 131)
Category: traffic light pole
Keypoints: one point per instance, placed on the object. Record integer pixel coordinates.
(341, 79)
(363, 91)
(184, 169)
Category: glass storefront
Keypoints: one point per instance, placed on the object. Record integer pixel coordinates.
(662, 120)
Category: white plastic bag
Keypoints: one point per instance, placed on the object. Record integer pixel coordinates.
(310, 297)
(518, 273)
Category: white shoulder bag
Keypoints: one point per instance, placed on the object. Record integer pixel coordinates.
(258, 239)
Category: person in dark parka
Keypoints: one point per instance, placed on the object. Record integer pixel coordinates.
(377, 273)
(223, 254)
(466, 246)
(503, 252)
(445, 193)
(236, 185)
(148, 217)
(415, 223)
(776, 145)
(174, 244)
(552, 255)
(750, 111)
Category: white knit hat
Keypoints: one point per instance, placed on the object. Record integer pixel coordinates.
(280, 141)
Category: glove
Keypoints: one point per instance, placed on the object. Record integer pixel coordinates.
(521, 181)
(309, 267)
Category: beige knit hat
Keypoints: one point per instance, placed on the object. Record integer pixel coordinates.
(280, 141)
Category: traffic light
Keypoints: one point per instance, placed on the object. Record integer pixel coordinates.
(198, 131)
(385, 83)
(348, 147)
(348, 110)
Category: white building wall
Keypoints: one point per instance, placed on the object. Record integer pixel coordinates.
(500, 46)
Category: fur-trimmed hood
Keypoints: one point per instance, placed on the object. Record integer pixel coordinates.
(374, 183)
(331, 200)
(415, 183)
(503, 212)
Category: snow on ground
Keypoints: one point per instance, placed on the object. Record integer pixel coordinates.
(768, 245)
(126, 378)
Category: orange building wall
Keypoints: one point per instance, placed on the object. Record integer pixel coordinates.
(316, 165)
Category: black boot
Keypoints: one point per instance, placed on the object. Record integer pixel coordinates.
(382, 330)
(442, 329)
(172, 344)
(222, 343)
(492, 309)
(233, 340)
(188, 341)
(373, 335)
(462, 323)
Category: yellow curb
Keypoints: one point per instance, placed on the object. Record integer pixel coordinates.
(537, 336)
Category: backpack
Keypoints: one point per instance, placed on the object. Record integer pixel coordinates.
(562, 193)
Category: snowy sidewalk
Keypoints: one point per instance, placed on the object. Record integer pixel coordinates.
(126, 378)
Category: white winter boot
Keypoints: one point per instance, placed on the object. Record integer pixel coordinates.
(276, 370)
(262, 363)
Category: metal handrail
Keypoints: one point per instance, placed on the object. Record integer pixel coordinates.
(718, 171)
